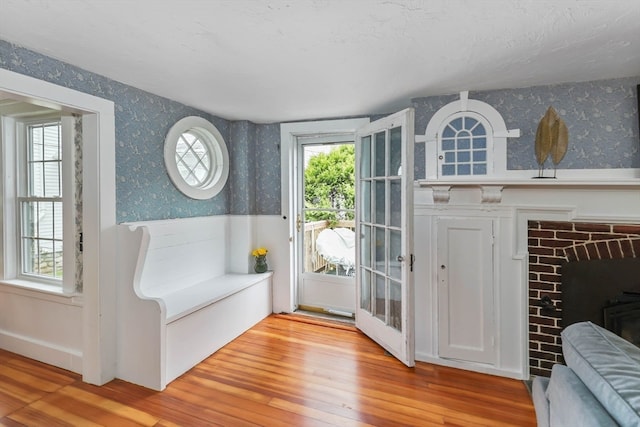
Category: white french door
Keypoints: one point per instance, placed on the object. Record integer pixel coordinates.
(384, 222)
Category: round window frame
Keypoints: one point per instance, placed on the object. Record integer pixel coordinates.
(217, 148)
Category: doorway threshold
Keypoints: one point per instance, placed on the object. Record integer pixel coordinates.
(326, 313)
(321, 319)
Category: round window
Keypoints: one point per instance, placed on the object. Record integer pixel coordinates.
(196, 158)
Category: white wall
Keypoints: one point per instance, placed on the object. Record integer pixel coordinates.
(42, 326)
(272, 232)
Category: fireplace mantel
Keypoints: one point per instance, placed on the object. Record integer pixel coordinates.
(532, 183)
(491, 189)
(503, 207)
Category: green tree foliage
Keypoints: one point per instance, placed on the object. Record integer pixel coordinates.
(330, 183)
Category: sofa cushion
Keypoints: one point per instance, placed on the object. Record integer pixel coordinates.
(608, 365)
(572, 404)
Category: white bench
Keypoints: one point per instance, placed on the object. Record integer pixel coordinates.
(177, 301)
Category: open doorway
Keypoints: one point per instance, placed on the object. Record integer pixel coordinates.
(325, 225)
(383, 281)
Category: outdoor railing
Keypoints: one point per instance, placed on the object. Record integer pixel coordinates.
(313, 262)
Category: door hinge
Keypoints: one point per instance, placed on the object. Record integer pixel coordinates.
(412, 259)
(81, 242)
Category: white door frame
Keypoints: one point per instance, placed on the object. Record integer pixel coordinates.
(99, 214)
(285, 298)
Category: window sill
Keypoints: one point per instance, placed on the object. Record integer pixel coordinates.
(40, 290)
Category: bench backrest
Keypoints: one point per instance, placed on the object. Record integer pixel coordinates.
(181, 252)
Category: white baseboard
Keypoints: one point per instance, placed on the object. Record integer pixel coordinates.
(469, 366)
(41, 351)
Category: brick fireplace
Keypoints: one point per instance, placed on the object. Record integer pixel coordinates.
(550, 244)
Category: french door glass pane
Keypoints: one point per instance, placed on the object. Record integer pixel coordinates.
(365, 198)
(379, 249)
(395, 151)
(380, 202)
(365, 246)
(365, 157)
(395, 305)
(395, 250)
(395, 203)
(365, 290)
(380, 303)
(380, 154)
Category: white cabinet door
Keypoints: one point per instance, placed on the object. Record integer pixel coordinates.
(466, 325)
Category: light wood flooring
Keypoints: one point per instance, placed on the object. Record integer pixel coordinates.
(282, 372)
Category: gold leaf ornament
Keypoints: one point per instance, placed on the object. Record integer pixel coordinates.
(552, 138)
(543, 138)
(561, 138)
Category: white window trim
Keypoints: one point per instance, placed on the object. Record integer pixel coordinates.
(496, 131)
(99, 214)
(214, 142)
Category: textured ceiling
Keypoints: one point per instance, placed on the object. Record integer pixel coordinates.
(282, 60)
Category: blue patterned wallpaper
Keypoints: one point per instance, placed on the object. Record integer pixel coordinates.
(267, 178)
(143, 188)
(242, 159)
(602, 117)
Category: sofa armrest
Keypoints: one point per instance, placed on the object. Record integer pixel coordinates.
(572, 404)
(609, 366)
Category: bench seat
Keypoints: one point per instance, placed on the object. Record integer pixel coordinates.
(184, 301)
(177, 300)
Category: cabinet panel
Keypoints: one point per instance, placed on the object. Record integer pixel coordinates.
(465, 260)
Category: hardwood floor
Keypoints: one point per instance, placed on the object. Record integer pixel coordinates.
(279, 373)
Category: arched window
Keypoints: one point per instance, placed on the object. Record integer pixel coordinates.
(463, 146)
(466, 139)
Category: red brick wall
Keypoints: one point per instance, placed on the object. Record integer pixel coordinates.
(550, 245)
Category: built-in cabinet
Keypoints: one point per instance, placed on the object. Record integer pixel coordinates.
(465, 271)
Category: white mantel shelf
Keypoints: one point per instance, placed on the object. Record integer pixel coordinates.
(491, 190)
(620, 177)
(533, 182)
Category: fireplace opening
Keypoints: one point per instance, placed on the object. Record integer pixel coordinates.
(622, 317)
(555, 249)
(605, 292)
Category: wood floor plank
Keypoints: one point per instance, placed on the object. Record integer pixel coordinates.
(283, 372)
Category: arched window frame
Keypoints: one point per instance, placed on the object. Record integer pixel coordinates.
(217, 156)
(495, 127)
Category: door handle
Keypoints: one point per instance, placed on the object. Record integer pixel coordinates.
(400, 258)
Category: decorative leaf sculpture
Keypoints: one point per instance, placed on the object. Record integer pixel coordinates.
(552, 137)
(543, 140)
(561, 142)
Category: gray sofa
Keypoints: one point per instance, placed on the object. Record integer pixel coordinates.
(599, 386)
